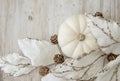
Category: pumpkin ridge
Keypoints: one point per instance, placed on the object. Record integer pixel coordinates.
(73, 22)
(76, 49)
(84, 29)
(60, 40)
(68, 42)
(88, 44)
(87, 30)
(71, 28)
(68, 26)
(84, 46)
(74, 46)
(80, 22)
(79, 25)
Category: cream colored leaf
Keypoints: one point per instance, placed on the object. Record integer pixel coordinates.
(16, 59)
(51, 77)
(39, 52)
(84, 68)
(111, 71)
(15, 65)
(106, 32)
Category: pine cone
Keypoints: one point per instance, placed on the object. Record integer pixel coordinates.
(111, 57)
(54, 39)
(44, 70)
(59, 59)
(99, 14)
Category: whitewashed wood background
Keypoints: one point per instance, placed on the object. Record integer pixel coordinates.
(40, 19)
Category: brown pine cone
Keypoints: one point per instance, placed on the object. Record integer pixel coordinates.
(59, 59)
(54, 39)
(99, 14)
(44, 70)
(111, 57)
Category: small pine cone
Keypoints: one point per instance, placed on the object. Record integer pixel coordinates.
(44, 70)
(111, 57)
(54, 39)
(99, 14)
(59, 59)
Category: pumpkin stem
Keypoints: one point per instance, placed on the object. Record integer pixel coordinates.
(81, 37)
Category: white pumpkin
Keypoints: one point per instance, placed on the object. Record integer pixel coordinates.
(75, 37)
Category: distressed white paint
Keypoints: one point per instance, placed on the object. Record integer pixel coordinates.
(40, 19)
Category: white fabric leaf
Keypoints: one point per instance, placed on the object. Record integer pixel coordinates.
(51, 77)
(111, 72)
(84, 68)
(15, 65)
(24, 70)
(39, 52)
(13, 59)
(106, 33)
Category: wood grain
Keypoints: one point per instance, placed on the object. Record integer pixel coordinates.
(40, 19)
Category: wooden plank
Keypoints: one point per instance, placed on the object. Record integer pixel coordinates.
(92, 6)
